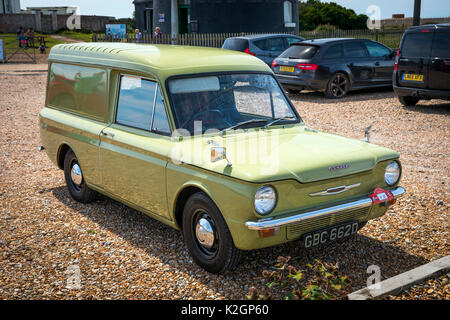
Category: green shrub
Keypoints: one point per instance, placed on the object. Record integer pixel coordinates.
(319, 281)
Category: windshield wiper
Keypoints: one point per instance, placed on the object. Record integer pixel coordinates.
(240, 124)
(276, 121)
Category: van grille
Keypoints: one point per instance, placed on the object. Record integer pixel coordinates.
(296, 230)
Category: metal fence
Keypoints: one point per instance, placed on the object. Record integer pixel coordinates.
(15, 50)
(216, 40)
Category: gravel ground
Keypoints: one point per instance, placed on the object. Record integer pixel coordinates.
(123, 254)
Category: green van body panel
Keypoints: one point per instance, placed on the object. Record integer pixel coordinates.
(148, 171)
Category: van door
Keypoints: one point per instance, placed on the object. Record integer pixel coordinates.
(134, 149)
(414, 58)
(440, 61)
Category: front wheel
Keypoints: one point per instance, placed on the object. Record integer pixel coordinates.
(338, 86)
(207, 236)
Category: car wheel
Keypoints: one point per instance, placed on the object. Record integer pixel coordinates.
(338, 86)
(294, 91)
(207, 236)
(408, 101)
(75, 180)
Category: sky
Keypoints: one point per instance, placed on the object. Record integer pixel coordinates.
(125, 8)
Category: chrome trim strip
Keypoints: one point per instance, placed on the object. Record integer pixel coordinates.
(264, 224)
(330, 191)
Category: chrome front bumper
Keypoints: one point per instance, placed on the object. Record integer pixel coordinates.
(272, 223)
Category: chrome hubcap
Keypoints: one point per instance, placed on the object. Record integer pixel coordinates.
(204, 231)
(76, 175)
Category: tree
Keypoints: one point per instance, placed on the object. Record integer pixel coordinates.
(314, 13)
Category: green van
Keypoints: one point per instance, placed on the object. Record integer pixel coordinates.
(205, 140)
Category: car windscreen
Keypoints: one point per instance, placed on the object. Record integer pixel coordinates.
(236, 44)
(222, 101)
(300, 52)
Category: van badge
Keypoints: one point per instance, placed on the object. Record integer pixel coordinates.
(339, 167)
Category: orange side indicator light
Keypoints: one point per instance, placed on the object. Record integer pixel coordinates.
(266, 233)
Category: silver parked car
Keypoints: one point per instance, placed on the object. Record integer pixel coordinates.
(265, 47)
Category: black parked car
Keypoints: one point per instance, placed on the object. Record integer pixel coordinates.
(265, 47)
(422, 68)
(335, 66)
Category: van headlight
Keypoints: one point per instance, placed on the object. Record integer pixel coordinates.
(392, 173)
(265, 200)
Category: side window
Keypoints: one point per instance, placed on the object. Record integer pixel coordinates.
(354, 50)
(276, 44)
(376, 50)
(417, 45)
(136, 100)
(160, 121)
(78, 89)
(262, 44)
(292, 40)
(334, 52)
(441, 45)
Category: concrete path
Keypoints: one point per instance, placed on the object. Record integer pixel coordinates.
(397, 284)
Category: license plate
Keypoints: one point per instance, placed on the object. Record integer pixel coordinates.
(287, 69)
(413, 77)
(331, 234)
(379, 196)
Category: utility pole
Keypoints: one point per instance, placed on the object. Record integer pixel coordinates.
(417, 5)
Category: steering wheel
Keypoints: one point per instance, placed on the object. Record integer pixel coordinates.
(197, 115)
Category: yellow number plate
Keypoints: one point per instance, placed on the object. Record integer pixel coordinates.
(287, 69)
(413, 77)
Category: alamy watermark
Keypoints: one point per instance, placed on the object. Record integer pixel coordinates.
(74, 277)
(74, 21)
(374, 13)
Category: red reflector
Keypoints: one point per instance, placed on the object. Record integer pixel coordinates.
(248, 51)
(425, 30)
(396, 60)
(307, 66)
(274, 64)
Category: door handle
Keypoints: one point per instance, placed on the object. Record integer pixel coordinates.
(377, 63)
(107, 134)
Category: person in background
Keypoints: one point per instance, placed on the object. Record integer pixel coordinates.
(138, 36)
(30, 38)
(158, 33)
(20, 36)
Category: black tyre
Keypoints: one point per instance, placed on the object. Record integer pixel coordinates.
(207, 236)
(338, 86)
(408, 101)
(75, 180)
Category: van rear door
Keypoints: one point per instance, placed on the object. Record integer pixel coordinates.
(440, 60)
(414, 58)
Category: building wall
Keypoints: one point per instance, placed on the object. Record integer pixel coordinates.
(9, 23)
(215, 16)
(242, 16)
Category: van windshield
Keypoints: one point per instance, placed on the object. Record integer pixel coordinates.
(219, 102)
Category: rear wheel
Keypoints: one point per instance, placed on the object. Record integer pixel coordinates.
(75, 180)
(408, 101)
(207, 236)
(338, 86)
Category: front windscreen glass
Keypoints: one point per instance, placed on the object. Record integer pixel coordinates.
(228, 101)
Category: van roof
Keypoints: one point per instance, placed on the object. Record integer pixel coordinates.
(162, 61)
